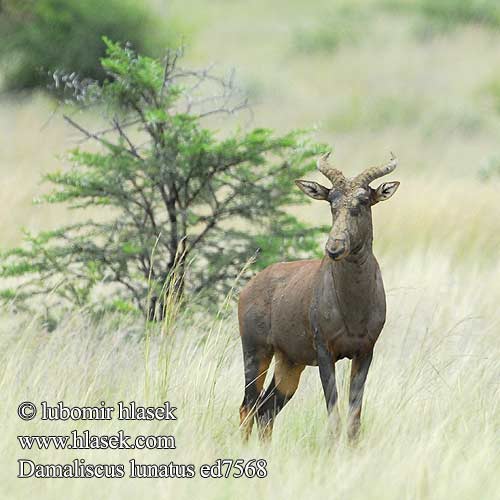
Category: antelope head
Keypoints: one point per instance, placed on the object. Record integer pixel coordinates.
(350, 200)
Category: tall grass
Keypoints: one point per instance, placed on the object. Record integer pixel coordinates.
(431, 416)
(431, 420)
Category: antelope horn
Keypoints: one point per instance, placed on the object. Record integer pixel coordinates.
(373, 173)
(335, 176)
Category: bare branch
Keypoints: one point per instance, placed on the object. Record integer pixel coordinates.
(132, 150)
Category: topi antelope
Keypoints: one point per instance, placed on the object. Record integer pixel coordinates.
(315, 312)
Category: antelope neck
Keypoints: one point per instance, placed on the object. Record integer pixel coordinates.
(353, 271)
(354, 282)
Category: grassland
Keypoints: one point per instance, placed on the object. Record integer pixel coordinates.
(431, 425)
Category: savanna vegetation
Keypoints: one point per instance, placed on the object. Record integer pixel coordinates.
(42, 39)
(180, 202)
(397, 79)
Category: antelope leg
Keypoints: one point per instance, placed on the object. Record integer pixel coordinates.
(326, 364)
(256, 364)
(359, 371)
(280, 391)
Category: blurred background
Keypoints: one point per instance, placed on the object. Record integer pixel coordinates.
(420, 78)
(417, 77)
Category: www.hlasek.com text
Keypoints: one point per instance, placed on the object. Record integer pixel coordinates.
(85, 440)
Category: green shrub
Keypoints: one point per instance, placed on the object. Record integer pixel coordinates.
(182, 209)
(330, 31)
(444, 15)
(43, 36)
(451, 12)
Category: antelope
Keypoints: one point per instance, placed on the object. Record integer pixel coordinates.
(316, 312)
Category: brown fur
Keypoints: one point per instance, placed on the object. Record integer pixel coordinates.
(315, 312)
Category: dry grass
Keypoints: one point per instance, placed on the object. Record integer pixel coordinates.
(431, 424)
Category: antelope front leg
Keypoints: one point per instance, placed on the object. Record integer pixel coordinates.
(326, 364)
(359, 371)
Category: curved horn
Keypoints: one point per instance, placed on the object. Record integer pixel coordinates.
(373, 173)
(335, 176)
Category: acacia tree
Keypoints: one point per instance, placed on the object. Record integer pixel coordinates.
(170, 190)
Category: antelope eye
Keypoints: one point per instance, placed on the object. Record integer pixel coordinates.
(334, 196)
(364, 200)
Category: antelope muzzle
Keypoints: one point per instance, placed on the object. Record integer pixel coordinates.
(337, 248)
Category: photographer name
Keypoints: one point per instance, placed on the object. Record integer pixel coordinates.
(124, 411)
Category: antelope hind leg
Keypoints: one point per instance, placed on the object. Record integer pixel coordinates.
(281, 389)
(256, 366)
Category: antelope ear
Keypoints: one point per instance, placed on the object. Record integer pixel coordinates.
(384, 191)
(313, 189)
